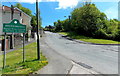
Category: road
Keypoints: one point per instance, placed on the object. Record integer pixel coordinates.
(101, 58)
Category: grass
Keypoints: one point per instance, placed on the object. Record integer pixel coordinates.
(88, 39)
(14, 64)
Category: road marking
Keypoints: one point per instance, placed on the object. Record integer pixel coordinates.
(78, 69)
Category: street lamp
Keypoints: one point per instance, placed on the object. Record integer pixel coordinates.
(69, 17)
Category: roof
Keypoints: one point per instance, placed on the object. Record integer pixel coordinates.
(6, 8)
(17, 10)
(22, 11)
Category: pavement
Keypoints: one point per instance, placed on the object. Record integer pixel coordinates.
(59, 64)
(17, 47)
(70, 57)
(77, 69)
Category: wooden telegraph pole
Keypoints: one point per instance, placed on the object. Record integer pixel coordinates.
(11, 36)
(38, 41)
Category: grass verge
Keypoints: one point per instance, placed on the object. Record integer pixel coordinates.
(88, 39)
(14, 64)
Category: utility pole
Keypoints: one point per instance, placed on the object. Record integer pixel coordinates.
(11, 36)
(38, 41)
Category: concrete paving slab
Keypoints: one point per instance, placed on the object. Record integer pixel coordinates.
(77, 69)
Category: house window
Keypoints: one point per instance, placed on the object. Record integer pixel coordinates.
(3, 9)
(20, 14)
(22, 21)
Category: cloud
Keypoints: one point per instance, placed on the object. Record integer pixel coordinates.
(62, 4)
(112, 12)
(105, 0)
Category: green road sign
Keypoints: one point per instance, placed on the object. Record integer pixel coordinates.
(14, 27)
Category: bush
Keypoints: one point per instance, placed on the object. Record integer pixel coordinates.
(89, 21)
(117, 36)
(100, 34)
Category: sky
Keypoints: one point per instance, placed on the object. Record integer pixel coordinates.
(53, 10)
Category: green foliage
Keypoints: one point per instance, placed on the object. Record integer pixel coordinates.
(88, 39)
(89, 21)
(34, 23)
(58, 25)
(14, 64)
(26, 10)
(88, 18)
(49, 28)
(29, 12)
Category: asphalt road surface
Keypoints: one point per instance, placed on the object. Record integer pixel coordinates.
(100, 58)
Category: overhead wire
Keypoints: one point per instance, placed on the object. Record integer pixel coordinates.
(9, 2)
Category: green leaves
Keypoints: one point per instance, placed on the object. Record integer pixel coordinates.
(26, 10)
(87, 17)
(29, 12)
(15, 65)
(88, 20)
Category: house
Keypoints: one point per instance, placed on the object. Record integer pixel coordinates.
(0, 21)
(5, 13)
(6, 17)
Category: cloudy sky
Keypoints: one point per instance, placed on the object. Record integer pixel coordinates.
(52, 10)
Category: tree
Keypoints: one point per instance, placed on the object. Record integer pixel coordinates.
(26, 10)
(34, 23)
(65, 25)
(18, 5)
(87, 18)
(58, 25)
(29, 12)
(49, 28)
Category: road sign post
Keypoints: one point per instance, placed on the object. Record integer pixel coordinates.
(13, 27)
(4, 58)
(23, 47)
